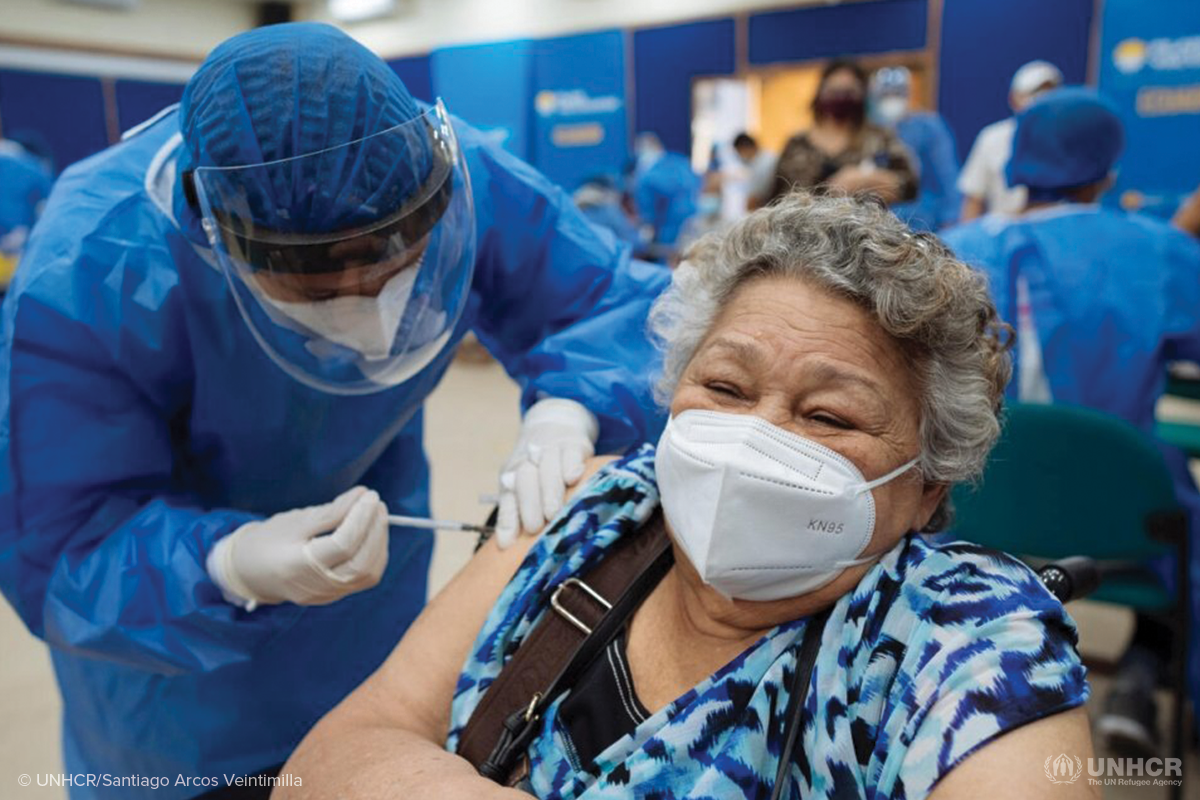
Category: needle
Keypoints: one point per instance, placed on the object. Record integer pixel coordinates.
(437, 524)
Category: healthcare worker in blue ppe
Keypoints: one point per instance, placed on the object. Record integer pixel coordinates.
(214, 361)
(928, 137)
(1102, 300)
(666, 191)
(24, 186)
(600, 199)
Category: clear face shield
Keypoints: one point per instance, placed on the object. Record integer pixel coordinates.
(369, 303)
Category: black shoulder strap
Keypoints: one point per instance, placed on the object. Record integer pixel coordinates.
(508, 717)
(581, 624)
(805, 660)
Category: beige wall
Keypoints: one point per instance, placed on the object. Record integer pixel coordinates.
(188, 29)
(185, 29)
(786, 95)
(418, 26)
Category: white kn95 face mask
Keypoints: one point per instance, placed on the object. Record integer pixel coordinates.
(761, 512)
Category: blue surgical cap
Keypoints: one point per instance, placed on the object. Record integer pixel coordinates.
(1066, 139)
(295, 90)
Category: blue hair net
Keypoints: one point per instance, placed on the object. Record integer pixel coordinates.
(1066, 139)
(300, 89)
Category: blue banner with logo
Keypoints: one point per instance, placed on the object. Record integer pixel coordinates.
(983, 42)
(1150, 66)
(488, 86)
(579, 113)
(666, 61)
(138, 101)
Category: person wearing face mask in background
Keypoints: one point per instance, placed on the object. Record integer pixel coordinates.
(666, 192)
(1102, 300)
(928, 137)
(843, 150)
(710, 205)
(214, 361)
(794, 479)
(982, 182)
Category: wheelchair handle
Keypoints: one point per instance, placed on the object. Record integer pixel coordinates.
(1070, 578)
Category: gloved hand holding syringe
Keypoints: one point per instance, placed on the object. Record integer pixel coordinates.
(312, 556)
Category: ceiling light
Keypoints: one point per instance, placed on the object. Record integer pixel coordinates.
(359, 10)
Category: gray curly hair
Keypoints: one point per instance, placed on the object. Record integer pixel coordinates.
(935, 306)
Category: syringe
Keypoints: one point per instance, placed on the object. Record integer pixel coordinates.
(437, 524)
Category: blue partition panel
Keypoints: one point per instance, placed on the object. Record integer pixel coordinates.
(67, 111)
(137, 101)
(1150, 66)
(849, 29)
(985, 41)
(489, 86)
(579, 110)
(416, 74)
(665, 60)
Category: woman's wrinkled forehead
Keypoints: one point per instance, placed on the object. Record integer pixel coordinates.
(779, 323)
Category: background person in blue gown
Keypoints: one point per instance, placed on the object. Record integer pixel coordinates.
(1102, 300)
(25, 184)
(929, 139)
(666, 192)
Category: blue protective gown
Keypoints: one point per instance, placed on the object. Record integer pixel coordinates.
(666, 193)
(938, 203)
(1114, 297)
(141, 422)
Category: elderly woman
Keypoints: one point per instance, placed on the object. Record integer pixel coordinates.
(829, 376)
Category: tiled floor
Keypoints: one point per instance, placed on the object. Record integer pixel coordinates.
(472, 424)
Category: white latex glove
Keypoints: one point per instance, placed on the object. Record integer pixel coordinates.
(557, 437)
(293, 557)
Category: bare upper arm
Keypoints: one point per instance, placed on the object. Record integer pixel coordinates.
(1013, 765)
(415, 686)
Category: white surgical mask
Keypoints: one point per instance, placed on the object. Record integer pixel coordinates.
(890, 110)
(762, 513)
(366, 325)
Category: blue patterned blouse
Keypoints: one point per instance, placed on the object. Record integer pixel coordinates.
(940, 649)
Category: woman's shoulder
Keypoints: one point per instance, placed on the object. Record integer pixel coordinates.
(931, 552)
(965, 580)
(979, 648)
(945, 595)
(612, 488)
(615, 500)
(613, 497)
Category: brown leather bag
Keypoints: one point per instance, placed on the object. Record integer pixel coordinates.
(548, 659)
